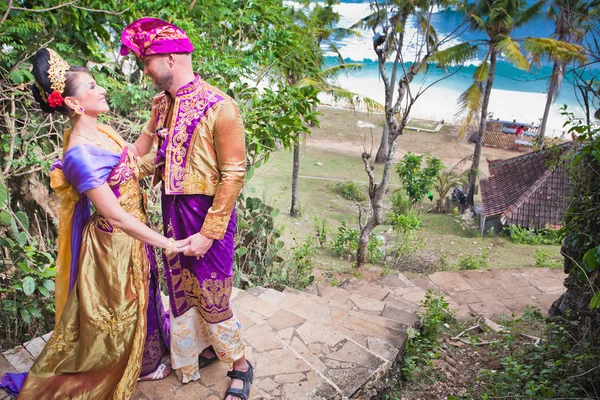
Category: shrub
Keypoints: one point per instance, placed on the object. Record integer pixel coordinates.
(405, 223)
(534, 236)
(560, 367)
(345, 243)
(297, 271)
(417, 180)
(26, 277)
(258, 242)
(350, 191)
(470, 262)
(543, 261)
(421, 346)
(400, 202)
(321, 231)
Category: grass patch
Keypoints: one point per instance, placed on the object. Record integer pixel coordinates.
(333, 156)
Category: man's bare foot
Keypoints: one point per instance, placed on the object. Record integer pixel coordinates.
(159, 373)
(208, 353)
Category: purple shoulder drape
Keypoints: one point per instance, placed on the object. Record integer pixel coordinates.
(86, 167)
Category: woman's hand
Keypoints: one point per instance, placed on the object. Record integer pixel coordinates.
(181, 245)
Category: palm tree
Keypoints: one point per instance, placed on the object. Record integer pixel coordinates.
(497, 19)
(319, 22)
(571, 20)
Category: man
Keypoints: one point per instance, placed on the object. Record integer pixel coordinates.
(201, 162)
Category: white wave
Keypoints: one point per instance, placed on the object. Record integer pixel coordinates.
(441, 102)
(361, 48)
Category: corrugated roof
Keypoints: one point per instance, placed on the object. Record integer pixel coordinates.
(527, 189)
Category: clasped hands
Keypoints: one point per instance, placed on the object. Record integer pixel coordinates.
(195, 245)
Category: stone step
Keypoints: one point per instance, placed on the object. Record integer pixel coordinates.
(380, 335)
(342, 362)
(393, 297)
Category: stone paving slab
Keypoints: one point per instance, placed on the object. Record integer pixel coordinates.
(499, 291)
(374, 332)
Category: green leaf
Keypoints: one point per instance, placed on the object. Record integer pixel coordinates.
(25, 316)
(241, 251)
(595, 302)
(3, 194)
(16, 77)
(21, 238)
(275, 212)
(44, 291)
(28, 285)
(34, 312)
(49, 284)
(23, 219)
(5, 218)
(24, 267)
(7, 242)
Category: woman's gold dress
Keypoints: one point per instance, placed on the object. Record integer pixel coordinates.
(96, 349)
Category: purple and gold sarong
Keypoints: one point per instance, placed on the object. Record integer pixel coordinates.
(199, 289)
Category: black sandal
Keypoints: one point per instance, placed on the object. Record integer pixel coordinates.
(247, 377)
(205, 362)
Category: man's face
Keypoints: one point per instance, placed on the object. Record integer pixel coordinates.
(157, 68)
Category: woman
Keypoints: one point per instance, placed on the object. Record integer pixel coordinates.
(110, 326)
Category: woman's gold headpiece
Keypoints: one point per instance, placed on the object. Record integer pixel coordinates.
(57, 72)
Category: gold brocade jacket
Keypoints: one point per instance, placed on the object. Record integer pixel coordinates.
(201, 140)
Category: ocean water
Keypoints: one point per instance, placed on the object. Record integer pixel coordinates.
(517, 95)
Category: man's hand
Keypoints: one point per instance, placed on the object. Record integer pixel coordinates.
(198, 245)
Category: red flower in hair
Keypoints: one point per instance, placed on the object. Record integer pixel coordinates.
(55, 99)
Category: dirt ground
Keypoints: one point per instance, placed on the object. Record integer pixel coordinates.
(339, 132)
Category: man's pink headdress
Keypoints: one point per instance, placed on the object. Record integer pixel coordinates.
(148, 36)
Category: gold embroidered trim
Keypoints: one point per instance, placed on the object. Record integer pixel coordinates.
(212, 300)
(194, 183)
(215, 226)
(61, 339)
(126, 385)
(111, 321)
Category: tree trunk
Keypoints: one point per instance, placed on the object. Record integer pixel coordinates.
(482, 127)
(376, 196)
(295, 209)
(555, 78)
(383, 146)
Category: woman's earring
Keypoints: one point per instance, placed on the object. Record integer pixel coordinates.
(79, 110)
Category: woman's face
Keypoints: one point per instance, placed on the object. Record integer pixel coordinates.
(90, 95)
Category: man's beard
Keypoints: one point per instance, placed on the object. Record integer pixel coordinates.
(164, 82)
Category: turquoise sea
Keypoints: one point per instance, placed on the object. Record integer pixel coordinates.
(517, 94)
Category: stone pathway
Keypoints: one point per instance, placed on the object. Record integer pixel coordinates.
(497, 291)
(336, 342)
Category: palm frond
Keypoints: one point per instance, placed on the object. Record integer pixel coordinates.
(370, 20)
(477, 23)
(482, 72)
(342, 33)
(556, 49)
(455, 55)
(469, 103)
(339, 93)
(338, 54)
(512, 52)
(527, 15)
(333, 71)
